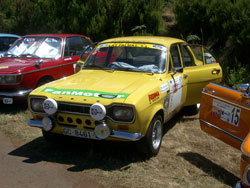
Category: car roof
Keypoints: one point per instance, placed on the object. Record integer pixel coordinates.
(9, 35)
(166, 41)
(55, 35)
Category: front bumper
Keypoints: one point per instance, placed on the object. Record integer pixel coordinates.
(22, 93)
(238, 185)
(113, 133)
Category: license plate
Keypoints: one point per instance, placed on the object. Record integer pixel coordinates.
(78, 133)
(7, 100)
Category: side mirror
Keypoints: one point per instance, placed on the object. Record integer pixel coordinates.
(178, 69)
(38, 63)
(87, 50)
(244, 88)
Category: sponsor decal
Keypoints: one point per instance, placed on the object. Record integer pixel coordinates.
(164, 87)
(85, 93)
(153, 97)
(133, 44)
(226, 112)
(5, 67)
(175, 86)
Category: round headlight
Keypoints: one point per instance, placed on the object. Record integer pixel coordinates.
(37, 104)
(97, 111)
(246, 177)
(123, 113)
(50, 106)
(102, 131)
(47, 124)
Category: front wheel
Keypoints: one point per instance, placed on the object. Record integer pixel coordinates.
(150, 144)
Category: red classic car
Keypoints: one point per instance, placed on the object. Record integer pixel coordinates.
(34, 60)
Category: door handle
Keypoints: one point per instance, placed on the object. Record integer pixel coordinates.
(215, 71)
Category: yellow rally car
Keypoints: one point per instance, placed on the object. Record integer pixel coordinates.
(126, 90)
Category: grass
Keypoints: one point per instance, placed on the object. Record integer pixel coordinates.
(188, 157)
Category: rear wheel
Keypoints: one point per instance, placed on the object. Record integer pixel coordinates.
(150, 144)
(191, 110)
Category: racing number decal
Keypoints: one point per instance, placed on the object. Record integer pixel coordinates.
(235, 116)
(226, 112)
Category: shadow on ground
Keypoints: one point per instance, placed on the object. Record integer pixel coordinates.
(210, 168)
(19, 106)
(86, 154)
(81, 154)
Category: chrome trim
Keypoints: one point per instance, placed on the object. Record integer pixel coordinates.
(125, 135)
(206, 89)
(221, 130)
(72, 104)
(224, 87)
(19, 74)
(114, 134)
(226, 101)
(16, 94)
(35, 123)
(238, 185)
(245, 175)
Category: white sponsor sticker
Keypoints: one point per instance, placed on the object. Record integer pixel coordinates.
(175, 92)
(226, 112)
(164, 87)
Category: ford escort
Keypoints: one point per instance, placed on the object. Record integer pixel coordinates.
(126, 90)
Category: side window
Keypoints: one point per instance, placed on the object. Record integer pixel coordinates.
(12, 40)
(85, 41)
(187, 57)
(4, 43)
(175, 56)
(74, 46)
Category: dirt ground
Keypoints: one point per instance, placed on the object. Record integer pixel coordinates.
(188, 158)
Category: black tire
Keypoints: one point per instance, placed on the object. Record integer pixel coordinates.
(191, 110)
(150, 144)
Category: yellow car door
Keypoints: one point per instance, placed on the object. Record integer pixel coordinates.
(197, 73)
(178, 83)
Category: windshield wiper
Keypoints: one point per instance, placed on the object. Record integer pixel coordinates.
(29, 55)
(10, 55)
(97, 66)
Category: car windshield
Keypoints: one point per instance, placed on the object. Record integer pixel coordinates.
(140, 57)
(36, 47)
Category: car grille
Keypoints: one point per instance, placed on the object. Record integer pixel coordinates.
(73, 108)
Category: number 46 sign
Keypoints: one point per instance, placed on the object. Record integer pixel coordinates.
(228, 113)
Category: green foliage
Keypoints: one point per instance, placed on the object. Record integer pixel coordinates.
(237, 75)
(192, 18)
(99, 19)
(227, 24)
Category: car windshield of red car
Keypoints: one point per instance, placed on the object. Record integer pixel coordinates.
(36, 47)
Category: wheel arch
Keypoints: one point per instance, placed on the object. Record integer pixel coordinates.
(44, 79)
(156, 110)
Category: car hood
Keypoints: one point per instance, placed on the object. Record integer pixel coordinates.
(15, 65)
(99, 85)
